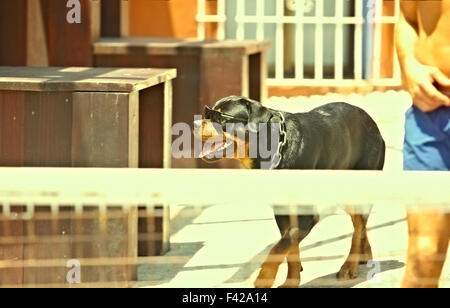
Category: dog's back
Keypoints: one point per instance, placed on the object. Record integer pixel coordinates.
(334, 136)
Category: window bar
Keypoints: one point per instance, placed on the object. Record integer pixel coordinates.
(397, 73)
(299, 38)
(358, 40)
(318, 59)
(377, 40)
(240, 12)
(260, 24)
(338, 41)
(201, 31)
(279, 42)
(221, 19)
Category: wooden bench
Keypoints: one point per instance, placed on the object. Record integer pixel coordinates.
(89, 117)
(207, 72)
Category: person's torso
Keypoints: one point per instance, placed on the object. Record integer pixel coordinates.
(433, 46)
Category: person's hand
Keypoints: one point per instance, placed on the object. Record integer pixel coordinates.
(420, 81)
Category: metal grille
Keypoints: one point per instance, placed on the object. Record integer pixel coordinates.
(303, 25)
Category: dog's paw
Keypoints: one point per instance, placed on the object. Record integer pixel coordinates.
(266, 277)
(290, 283)
(349, 270)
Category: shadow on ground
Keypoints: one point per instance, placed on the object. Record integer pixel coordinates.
(170, 264)
(164, 268)
(254, 264)
(365, 273)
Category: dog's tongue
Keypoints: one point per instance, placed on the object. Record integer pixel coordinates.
(211, 147)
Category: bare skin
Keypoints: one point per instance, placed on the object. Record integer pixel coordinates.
(423, 45)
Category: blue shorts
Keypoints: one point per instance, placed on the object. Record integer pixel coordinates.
(427, 140)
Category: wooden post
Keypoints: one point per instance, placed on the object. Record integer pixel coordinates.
(115, 18)
(38, 33)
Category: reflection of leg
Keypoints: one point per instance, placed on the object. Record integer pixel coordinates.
(428, 242)
(294, 267)
(366, 250)
(269, 268)
(360, 244)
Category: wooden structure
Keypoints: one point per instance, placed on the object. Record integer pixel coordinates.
(207, 71)
(85, 117)
(37, 33)
(89, 117)
(174, 18)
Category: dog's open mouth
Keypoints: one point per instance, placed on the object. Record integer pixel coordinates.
(215, 148)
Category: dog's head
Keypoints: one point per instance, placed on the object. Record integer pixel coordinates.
(227, 125)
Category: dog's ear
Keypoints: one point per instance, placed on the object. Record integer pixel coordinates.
(257, 114)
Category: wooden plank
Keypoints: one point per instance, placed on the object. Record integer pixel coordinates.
(133, 130)
(71, 44)
(161, 46)
(100, 130)
(151, 124)
(167, 127)
(37, 50)
(81, 79)
(11, 128)
(115, 18)
(13, 32)
(48, 129)
(257, 76)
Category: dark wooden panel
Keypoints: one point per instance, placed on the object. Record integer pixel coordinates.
(71, 44)
(48, 129)
(255, 76)
(151, 123)
(111, 18)
(11, 128)
(100, 129)
(13, 32)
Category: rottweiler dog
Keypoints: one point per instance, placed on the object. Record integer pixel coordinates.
(332, 136)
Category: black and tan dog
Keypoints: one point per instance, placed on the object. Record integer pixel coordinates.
(332, 136)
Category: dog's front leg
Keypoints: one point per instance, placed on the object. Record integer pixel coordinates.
(269, 268)
(294, 268)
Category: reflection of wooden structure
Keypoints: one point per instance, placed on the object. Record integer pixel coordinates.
(37, 248)
(207, 70)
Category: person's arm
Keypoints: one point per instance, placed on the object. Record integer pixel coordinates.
(418, 78)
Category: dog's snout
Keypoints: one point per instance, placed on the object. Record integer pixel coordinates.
(198, 124)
